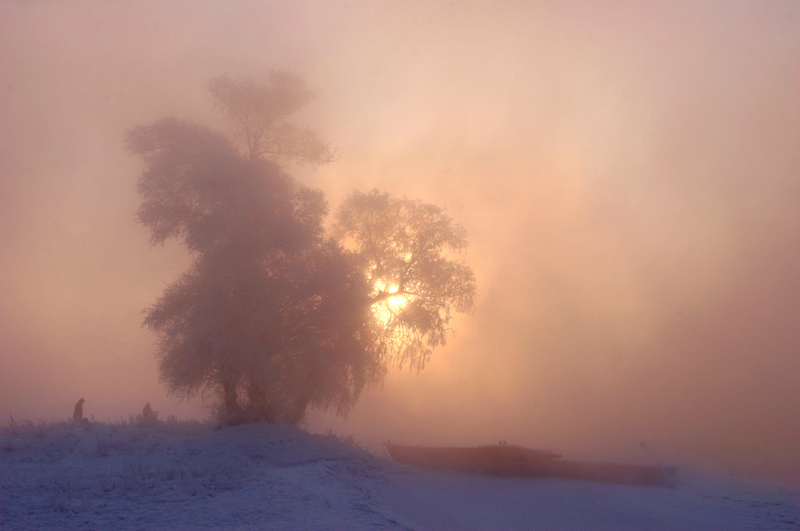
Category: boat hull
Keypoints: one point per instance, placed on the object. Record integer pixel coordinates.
(496, 459)
(512, 460)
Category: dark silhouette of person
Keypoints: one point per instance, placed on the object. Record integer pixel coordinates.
(77, 414)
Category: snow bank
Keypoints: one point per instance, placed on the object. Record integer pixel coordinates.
(118, 476)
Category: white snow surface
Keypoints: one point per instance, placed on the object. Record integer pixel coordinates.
(124, 476)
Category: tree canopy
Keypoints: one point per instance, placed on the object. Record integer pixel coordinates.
(406, 249)
(275, 315)
(259, 113)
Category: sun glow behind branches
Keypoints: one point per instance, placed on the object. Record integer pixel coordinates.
(387, 308)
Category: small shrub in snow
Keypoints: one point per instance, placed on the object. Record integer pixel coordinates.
(349, 440)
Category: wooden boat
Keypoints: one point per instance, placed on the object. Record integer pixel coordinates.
(495, 459)
(514, 460)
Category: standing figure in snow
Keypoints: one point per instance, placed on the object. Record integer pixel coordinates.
(77, 414)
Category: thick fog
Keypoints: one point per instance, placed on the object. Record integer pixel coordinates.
(628, 174)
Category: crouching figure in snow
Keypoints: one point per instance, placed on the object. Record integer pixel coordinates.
(77, 413)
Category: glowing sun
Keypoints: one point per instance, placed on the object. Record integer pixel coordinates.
(387, 308)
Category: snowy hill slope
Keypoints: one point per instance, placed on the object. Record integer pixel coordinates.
(278, 477)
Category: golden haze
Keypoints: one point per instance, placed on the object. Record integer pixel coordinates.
(627, 173)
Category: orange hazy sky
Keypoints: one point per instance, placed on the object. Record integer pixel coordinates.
(628, 173)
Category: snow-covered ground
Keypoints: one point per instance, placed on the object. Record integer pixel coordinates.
(182, 476)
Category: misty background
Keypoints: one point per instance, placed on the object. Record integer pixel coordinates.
(627, 172)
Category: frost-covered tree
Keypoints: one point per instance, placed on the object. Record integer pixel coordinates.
(269, 315)
(274, 315)
(260, 112)
(407, 250)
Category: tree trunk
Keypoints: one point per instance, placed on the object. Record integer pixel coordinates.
(231, 401)
(259, 405)
(297, 411)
